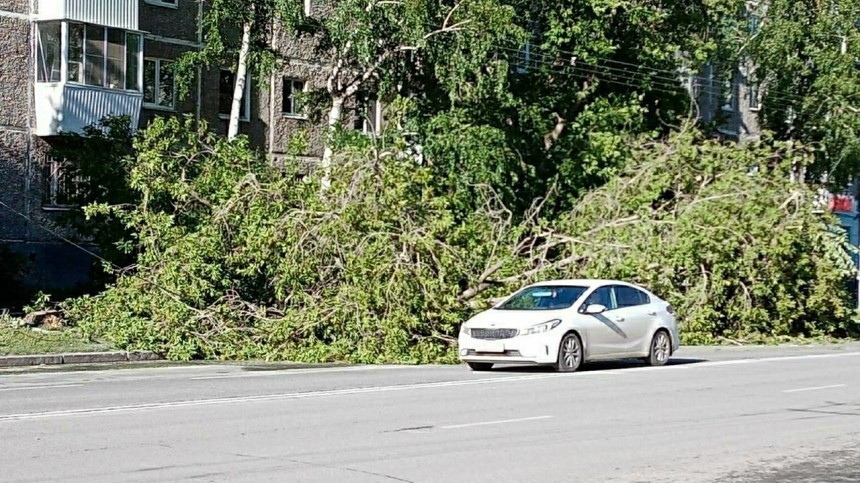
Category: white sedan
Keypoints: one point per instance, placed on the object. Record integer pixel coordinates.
(564, 323)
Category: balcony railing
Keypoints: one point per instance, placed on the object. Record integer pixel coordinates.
(63, 107)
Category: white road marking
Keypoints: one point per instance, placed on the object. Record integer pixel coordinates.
(804, 389)
(500, 421)
(43, 386)
(404, 387)
(290, 372)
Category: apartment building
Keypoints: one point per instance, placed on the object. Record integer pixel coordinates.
(68, 63)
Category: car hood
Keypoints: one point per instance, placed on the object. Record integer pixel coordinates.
(513, 319)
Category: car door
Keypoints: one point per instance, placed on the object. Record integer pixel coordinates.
(604, 336)
(633, 315)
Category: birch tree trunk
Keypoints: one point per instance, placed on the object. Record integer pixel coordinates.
(335, 114)
(241, 75)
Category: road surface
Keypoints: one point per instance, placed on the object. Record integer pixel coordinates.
(714, 415)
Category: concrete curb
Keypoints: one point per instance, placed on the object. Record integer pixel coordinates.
(77, 358)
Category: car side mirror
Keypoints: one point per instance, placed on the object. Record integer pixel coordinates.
(595, 309)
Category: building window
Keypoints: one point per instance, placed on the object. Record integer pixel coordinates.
(49, 52)
(753, 23)
(753, 94)
(94, 55)
(368, 115)
(103, 57)
(290, 103)
(163, 3)
(729, 94)
(59, 190)
(159, 83)
(226, 85)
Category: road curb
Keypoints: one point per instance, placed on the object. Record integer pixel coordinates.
(77, 358)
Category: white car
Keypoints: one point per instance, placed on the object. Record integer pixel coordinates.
(564, 323)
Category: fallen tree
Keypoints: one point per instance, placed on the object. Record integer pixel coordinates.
(738, 248)
(242, 260)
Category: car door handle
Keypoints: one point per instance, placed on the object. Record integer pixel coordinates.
(653, 312)
(619, 319)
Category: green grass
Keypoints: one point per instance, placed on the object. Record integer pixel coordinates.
(26, 341)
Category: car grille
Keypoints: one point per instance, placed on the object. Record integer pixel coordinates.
(508, 353)
(494, 333)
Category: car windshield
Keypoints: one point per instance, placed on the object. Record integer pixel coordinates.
(543, 298)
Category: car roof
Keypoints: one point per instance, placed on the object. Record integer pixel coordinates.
(583, 282)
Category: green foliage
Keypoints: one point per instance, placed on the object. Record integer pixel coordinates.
(222, 26)
(99, 160)
(242, 260)
(804, 56)
(739, 252)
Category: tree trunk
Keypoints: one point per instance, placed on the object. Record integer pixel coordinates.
(335, 114)
(241, 74)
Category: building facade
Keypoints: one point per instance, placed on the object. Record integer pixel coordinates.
(68, 63)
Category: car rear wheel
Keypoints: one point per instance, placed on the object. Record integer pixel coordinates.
(569, 353)
(480, 366)
(661, 349)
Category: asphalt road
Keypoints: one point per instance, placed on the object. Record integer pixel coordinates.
(747, 415)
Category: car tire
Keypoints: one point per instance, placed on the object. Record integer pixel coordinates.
(480, 366)
(660, 349)
(570, 353)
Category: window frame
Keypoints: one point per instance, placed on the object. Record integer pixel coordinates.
(157, 88)
(754, 95)
(53, 179)
(246, 96)
(163, 3)
(66, 61)
(298, 112)
(40, 61)
(363, 105)
(647, 298)
(729, 92)
(588, 302)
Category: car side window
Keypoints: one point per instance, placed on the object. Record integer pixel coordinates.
(602, 296)
(630, 297)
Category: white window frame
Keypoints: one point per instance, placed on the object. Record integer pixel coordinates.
(246, 98)
(163, 3)
(371, 127)
(155, 106)
(298, 114)
(66, 41)
(754, 95)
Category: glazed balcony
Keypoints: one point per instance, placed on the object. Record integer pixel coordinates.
(85, 71)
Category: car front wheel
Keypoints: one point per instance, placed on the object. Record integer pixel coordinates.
(569, 353)
(480, 366)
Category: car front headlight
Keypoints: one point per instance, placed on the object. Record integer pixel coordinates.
(465, 330)
(541, 328)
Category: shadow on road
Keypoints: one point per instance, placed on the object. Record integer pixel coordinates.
(597, 366)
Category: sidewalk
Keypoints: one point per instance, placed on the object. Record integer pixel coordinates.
(77, 358)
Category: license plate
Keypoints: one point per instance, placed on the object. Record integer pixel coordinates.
(484, 346)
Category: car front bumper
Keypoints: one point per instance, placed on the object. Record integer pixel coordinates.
(529, 349)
